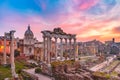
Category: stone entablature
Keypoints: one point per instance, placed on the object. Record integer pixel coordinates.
(59, 34)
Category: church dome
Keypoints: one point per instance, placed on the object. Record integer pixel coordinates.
(29, 33)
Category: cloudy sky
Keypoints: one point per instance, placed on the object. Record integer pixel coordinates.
(89, 19)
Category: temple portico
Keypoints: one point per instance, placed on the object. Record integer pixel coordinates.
(67, 39)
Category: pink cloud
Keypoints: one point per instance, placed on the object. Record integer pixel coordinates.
(85, 4)
(97, 29)
(19, 23)
(74, 23)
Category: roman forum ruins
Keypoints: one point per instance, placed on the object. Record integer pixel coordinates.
(57, 33)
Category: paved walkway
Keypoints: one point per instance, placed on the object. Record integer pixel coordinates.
(40, 76)
(101, 65)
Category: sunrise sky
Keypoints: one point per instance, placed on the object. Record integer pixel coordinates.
(89, 19)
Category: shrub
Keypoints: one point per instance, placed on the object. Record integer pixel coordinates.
(19, 71)
(38, 70)
(7, 66)
(16, 53)
(33, 65)
(26, 76)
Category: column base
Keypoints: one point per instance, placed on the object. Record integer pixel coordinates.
(5, 65)
(16, 77)
(49, 65)
(50, 69)
(76, 59)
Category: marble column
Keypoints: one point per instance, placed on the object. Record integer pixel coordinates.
(65, 43)
(70, 49)
(44, 49)
(47, 44)
(56, 49)
(5, 62)
(12, 54)
(61, 48)
(75, 50)
(65, 50)
(48, 49)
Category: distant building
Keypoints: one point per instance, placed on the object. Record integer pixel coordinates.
(29, 45)
(7, 44)
(91, 47)
(112, 47)
(29, 42)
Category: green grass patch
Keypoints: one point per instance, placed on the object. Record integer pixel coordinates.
(5, 72)
(113, 64)
(58, 63)
(19, 66)
(102, 74)
(114, 73)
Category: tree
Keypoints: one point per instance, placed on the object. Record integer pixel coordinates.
(16, 53)
(114, 50)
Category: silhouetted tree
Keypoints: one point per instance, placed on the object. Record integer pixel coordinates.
(16, 53)
(114, 50)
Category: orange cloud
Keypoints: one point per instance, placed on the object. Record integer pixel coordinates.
(101, 30)
(116, 30)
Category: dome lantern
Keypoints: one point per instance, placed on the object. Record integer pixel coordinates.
(28, 33)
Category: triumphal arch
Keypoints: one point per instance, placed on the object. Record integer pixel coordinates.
(67, 39)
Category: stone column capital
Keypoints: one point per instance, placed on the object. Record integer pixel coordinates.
(61, 38)
(65, 39)
(44, 36)
(49, 37)
(12, 34)
(74, 38)
(56, 37)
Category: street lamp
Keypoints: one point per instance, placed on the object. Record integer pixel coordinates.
(1, 47)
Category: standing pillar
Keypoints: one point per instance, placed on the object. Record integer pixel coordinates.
(66, 43)
(48, 49)
(75, 50)
(5, 62)
(70, 50)
(12, 54)
(61, 48)
(55, 48)
(66, 54)
(44, 49)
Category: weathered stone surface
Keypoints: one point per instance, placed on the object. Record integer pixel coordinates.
(71, 72)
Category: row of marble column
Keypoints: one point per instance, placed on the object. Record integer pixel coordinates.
(47, 42)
